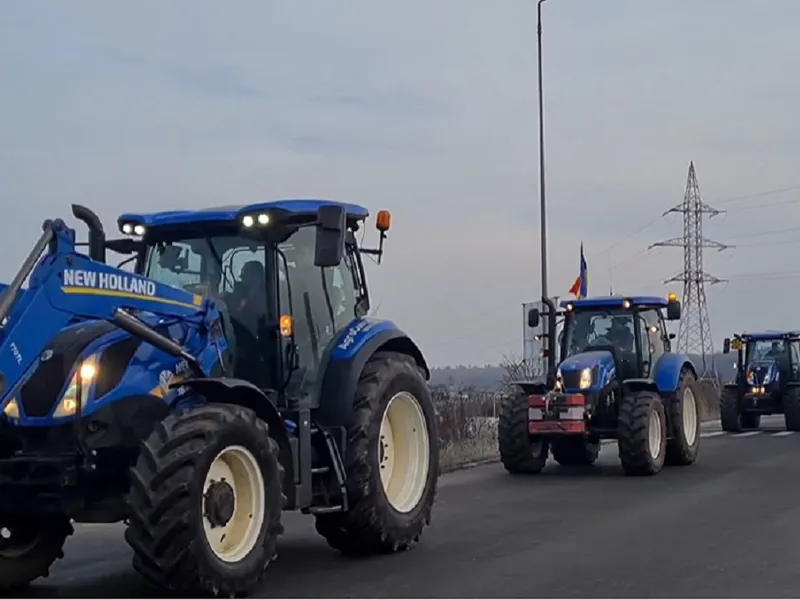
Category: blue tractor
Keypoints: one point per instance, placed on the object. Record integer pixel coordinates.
(230, 374)
(618, 379)
(767, 380)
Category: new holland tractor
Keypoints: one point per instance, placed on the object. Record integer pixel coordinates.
(767, 380)
(231, 375)
(617, 379)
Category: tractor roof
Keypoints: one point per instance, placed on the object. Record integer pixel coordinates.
(299, 207)
(770, 335)
(615, 302)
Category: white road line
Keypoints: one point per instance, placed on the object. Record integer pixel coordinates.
(746, 434)
(782, 433)
(709, 434)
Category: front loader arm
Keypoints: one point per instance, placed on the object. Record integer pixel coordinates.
(66, 286)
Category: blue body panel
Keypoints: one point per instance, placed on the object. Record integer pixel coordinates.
(356, 334)
(614, 302)
(67, 288)
(232, 213)
(601, 359)
(763, 373)
(3, 287)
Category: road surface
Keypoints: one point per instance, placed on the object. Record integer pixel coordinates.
(727, 527)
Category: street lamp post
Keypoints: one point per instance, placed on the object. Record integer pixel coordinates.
(542, 204)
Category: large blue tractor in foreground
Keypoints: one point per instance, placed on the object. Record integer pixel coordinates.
(230, 375)
(767, 380)
(617, 379)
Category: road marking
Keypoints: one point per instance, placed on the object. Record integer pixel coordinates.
(745, 434)
(782, 433)
(709, 434)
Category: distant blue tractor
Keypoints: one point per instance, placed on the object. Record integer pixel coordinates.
(767, 380)
(617, 379)
(232, 375)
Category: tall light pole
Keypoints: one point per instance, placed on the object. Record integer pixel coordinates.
(542, 204)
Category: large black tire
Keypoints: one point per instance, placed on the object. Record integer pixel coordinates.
(635, 421)
(372, 525)
(169, 507)
(683, 416)
(519, 454)
(729, 410)
(791, 408)
(30, 550)
(575, 451)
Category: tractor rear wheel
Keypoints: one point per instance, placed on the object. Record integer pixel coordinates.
(205, 502)
(684, 422)
(391, 461)
(791, 408)
(28, 549)
(519, 453)
(642, 431)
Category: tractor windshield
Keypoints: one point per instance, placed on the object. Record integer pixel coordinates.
(766, 350)
(587, 328)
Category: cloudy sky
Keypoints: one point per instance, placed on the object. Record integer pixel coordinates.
(427, 108)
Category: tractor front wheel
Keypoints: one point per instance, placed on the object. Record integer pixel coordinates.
(391, 461)
(791, 408)
(205, 502)
(519, 453)
(642, 431)
(684, 422)
(729, 410)
(29, 548)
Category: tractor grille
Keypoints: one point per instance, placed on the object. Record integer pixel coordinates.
(113, 363)
(572, 379)
(40, 392)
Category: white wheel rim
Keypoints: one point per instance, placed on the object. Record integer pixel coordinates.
(404, 452)
(654, 434)
(234, 540)
(689, 416)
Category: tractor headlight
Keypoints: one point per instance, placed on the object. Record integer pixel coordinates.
(69, 401)
(586, 379)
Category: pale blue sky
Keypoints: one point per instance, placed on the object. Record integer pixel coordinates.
(427, 108)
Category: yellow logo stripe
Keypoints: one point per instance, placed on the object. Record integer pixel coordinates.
(116, 294)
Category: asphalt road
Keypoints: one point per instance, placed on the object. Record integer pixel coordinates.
(727, 527)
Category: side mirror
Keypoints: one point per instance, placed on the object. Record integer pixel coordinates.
(124, 245)
(673, 310)
(726, 346)
(534, 317)
(331, 228)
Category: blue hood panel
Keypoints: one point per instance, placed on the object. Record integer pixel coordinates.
(600, 361)
(762, 372)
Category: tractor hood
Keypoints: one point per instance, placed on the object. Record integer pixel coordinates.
(762, 372)
(587, 371)
(123, 366)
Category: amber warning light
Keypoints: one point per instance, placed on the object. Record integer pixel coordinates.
(383, 220)
(286, 326)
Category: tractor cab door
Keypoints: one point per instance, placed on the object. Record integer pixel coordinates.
(653, 339)
(794, 361)
(322, 302)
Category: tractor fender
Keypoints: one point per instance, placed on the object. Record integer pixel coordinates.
(229, 390)
(667, 372)
(344, 362)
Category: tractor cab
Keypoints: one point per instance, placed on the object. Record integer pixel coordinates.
(766, 361)
(609, 338)
(287, 277)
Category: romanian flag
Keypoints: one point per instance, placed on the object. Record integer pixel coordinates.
(579, 288)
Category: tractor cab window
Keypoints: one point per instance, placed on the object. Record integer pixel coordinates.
(229, 269)
(322, 304)
(765, 350)
(794, 354)
(652, 338)
(586, 330)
